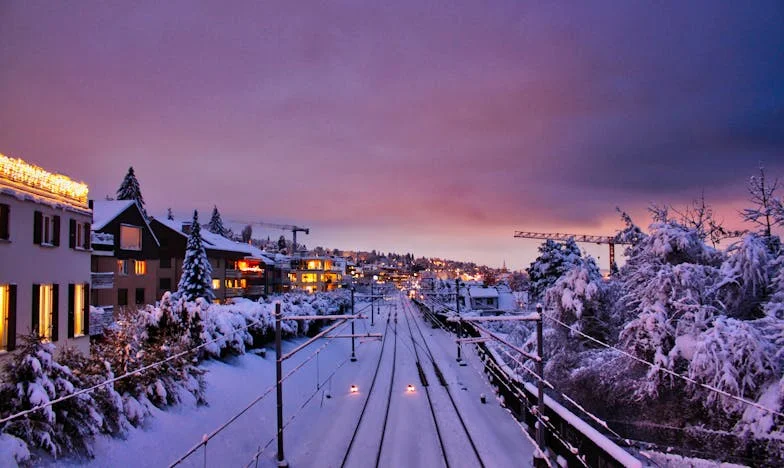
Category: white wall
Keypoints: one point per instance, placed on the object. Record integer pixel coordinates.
(24, 263)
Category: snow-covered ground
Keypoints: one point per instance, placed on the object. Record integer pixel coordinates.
(320, 433)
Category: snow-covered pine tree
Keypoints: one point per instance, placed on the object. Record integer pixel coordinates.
(130, 190)
(554, 260)
(747, 277)
(196, 279)
(215, 225)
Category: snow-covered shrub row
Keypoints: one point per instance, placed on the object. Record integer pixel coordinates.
(714, 315)
(165, 332)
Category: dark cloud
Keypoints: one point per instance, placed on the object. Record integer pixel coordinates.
(462, 117)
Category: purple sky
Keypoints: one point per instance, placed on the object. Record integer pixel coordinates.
(437, 128)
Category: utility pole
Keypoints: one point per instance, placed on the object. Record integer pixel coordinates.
(279, 377)
(540, 384)
(353, 355)
(372, 303)
(459, 323)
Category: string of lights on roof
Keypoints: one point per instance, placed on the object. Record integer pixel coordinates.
(31, 176)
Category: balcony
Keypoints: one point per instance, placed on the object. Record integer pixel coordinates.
(233, 274)
(102, 280)
(234, 292)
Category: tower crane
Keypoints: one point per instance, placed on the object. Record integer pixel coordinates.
(588, 238)
(287, 227)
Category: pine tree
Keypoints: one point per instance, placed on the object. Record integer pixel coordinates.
(130, 190)
(281, 243)
(247, 233)
(196, 279)
(215, 225)
(169, 214)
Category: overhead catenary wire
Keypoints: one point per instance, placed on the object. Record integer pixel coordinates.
(256, 400)
(255, 456)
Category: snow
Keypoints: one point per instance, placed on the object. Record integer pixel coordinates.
(212, 241)
(319, 435)
(484, 293)
(104, 211)
(13, 451)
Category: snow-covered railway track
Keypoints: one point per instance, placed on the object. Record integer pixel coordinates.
(437, 371)
(371, 395)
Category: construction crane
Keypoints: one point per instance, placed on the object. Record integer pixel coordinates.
(287, 227)
(557, 236)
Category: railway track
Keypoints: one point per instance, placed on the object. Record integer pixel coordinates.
(408, 311)
(389, 325)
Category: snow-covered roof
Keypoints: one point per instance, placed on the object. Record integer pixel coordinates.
(259, 254)
(478, 291)
(212, 241)
(104, 211)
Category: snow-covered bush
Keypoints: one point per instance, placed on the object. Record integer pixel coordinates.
(747, 274)
(733, 357)
(33, 378)
(577, 298)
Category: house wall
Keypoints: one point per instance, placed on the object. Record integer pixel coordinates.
(24, 263)
(131, 282)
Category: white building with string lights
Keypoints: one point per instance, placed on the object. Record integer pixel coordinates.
(44, 256)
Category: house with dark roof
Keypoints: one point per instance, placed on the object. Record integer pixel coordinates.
(125, 260)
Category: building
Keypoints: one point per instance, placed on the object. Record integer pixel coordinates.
(125, 260)
(316, 273)
(44, 256)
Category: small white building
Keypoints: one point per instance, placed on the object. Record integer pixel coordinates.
(44, 256)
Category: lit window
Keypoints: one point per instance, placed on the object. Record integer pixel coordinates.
(309, 278)
(79, 306)
(243, 283)
(45, 311)
(5, 305)
(130, 237)
(122, 267)
(140, 267)
(216, 284)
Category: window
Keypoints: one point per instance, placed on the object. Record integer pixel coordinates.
(7, 317)
(122, 267)
(165, 262)
(140, 267)
(309, 277)
(78, 310)
(130, 237)
(46, 229)
(122, 297)
(5, 232)
(79, 235)
(216, 283)
(164, 284)
(140, 295)
(45, 311)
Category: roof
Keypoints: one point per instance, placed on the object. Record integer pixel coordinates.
(105, 211)
(478, 291)
(211, 241)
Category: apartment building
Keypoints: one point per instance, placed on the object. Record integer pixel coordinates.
(44, 256)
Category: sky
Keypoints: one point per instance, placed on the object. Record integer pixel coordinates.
(437, 128)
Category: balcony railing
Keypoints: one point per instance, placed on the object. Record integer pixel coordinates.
(102, 280)
(233, 274)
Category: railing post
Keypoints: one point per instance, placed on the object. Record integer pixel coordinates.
(279, 378)
(459, 323)
(540, 434)
(353, 355)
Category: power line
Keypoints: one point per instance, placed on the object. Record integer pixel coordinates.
(266, 392)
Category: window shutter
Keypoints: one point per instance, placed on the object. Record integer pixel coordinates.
(5, 222)
(56, 231)
(55, 312)
(86, 308)
(71, 298)
(72, 233)
(11, 317)
(35, 322)
(87, 234)
(38, 221)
